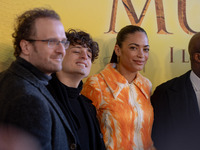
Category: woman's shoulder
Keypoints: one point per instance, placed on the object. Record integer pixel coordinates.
(144, 79)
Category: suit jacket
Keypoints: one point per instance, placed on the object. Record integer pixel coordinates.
(27, 104)
(96, 135)
(176, 115)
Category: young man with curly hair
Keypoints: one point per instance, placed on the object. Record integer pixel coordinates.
(66, 86)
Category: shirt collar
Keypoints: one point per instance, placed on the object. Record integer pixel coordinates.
(116, 82)
(195, 81)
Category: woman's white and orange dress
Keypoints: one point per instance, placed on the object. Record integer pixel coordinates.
(124, 110)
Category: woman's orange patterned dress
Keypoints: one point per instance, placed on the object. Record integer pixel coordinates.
(124, 110)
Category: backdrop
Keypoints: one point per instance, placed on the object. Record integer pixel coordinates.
(169, 24)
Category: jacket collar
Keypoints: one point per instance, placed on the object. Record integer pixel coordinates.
(26, 70)
(40, 83)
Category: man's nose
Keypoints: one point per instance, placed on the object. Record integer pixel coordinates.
(60, 47)
(84, 55)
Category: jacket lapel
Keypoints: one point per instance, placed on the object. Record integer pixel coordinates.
(28, 76)
(187, 108)
(114, 80)
(53, 103)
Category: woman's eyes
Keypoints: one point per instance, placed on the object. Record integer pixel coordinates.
(136, 48)
(133, 48)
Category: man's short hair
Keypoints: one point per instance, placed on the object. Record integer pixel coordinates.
(24, 27)
(82, 38)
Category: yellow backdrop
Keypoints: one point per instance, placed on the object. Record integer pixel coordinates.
(178, 19)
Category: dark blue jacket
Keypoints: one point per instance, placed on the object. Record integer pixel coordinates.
(177, 119)
(27, 104)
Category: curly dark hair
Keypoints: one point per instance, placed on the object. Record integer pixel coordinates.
(24, 27)
(82, 38)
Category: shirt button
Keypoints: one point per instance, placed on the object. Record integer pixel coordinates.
(73, 146)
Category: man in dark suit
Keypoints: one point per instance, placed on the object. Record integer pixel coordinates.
(66, 86)
(176, 106)
(25, 102)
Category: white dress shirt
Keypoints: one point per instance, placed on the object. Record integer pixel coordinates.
(196, 85)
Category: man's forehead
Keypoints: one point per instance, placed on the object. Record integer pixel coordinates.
(48, 26)
(81, 46)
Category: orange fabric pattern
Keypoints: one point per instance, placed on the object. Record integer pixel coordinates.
(124, 110)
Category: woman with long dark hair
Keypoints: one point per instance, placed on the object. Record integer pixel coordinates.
(121, 94)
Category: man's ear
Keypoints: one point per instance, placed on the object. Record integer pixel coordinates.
(25, 47)
(197, 57)
(117, 50)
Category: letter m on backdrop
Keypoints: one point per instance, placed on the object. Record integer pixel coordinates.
(133, 16)
(159, 15)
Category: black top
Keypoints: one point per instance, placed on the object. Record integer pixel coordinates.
(80, 112)
(77, 111)
(40, 75)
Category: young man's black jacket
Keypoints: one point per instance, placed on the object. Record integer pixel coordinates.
(63, 95)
